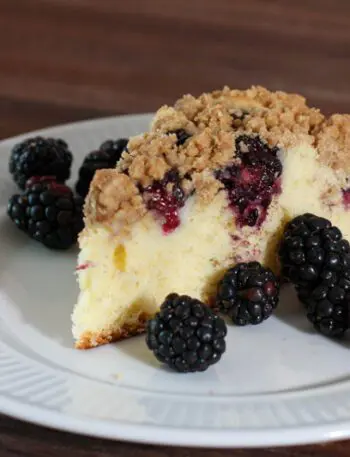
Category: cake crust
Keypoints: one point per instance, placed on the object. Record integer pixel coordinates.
(89, 340)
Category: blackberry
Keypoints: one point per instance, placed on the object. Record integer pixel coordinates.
(165, 202)
(252, 183)
(303, 294)
(181, 135)
(106, 156)
(248, 293)
(40, 156)
(327, 302)
(310, 247)
(49, 213)
(328, 306)
(186, 334)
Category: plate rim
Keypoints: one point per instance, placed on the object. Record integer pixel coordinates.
(171, 436)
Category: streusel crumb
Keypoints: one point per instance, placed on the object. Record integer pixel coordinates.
(206, 186)
(333, 141)
(151, 155)
(281, 119)
(113, 195)
(211, 123)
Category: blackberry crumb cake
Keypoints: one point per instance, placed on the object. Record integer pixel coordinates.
(212, 184)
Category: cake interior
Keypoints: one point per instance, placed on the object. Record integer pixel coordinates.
(186, 247)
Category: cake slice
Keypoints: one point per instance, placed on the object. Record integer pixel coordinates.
(212, 183)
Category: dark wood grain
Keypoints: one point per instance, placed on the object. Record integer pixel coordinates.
(66, 60)
(26, 440)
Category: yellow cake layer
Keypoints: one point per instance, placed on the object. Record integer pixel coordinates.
(129, 277)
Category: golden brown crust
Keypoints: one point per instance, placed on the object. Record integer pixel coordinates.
(149, 157)
(280, 118)
(113, 195)
(90, 340)
(152, 154)
(213, 120)
(168, 119)
(333, 141)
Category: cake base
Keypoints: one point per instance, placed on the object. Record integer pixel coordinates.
(89, 340)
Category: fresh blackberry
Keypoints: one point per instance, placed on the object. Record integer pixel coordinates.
(181, 135)
(327, 301)
(303, 293)
(186, 334)
(310, 246)
(40, 156)
(248, 293)
(106, 156)
(49, 213)
(328, 304)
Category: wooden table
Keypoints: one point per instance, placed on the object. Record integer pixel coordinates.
(66, 60)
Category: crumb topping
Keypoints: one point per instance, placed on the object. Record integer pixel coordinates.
(211, 122)
(113, 196)
(152, 154)
(281, 119)
(333, 141)
(169, 119)
(207, 187)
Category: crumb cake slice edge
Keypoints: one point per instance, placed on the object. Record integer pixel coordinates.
(197, 137)
(89, 340)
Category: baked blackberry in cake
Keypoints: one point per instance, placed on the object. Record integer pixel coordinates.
(213, 183)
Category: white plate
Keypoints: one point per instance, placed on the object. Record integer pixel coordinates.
(278, 383)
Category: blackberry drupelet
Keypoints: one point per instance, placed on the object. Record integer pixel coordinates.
(40, 156)
(328, 306)
(186, 334)
(106, 156)
(327, 302)
(310, 246)
(303, 294)
(248, 293)
(49, 213)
